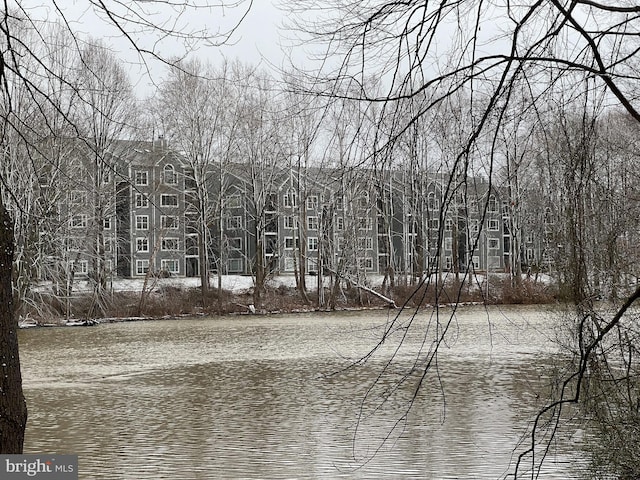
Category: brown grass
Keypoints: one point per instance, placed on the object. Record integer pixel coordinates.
(174, 301)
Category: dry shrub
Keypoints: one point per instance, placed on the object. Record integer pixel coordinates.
(504, 291)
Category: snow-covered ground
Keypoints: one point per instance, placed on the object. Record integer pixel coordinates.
(239, 283)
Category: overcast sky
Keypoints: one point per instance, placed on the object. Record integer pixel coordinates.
(256, 40)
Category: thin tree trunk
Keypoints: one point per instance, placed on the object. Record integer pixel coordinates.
(13, 408)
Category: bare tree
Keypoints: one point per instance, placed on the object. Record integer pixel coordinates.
(193, 105)
(146, 29)
(486, 53)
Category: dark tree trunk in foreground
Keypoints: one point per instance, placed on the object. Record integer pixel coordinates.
(13, 409)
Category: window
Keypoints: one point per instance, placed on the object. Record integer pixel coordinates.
(170, 265)
(289, 243)
(432, 201)
(473, 226)
(142, 267)
(169, 175)
(235, 243)
(493, 204)
(142, 244)
(494, 226)
(142, 222)
(476, 263)
(365, 243)
(339, 201)
(142, 201)
(168, 200)
(141, 178)
(365, 263)
(530, 255)
(79, 267)
(106, 223)
(79, 221)
(528, 238)
(289, 264)
(233, 201)
(312, 264)
(74, 244)
(290, 199)
(494, 244)
(447, 263)
(234, 223)
(448, 225)
(169, 222)
(234, 265)
(109, 245)
(434, 223)
(312, 223)
(340, 243)
(365, 223)
(364, 200)
(312, 244)
(448, 243)
(169, 244)
(290, 221)
(339, 223)
(312, 202)
(271, 203)
(78, 197)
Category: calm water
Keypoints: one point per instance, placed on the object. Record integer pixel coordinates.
(265, 397)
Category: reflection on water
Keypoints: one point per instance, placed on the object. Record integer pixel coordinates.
(255, 397)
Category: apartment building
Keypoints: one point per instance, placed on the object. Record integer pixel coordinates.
(153, 214)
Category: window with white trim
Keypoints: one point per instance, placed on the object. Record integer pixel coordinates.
(79, 221)
(169, 222)
(312, 202)
(289, 264)
(312, 244)
(79, 267)
(141, 178)
(448, 224)
(78, 197)
(235, 243)
(234, 265)
(234, 223)
(365, 243)
(169, 200)
(142, 266)
(290, 199)
(290, 221)
(493, 226)
(432, 201)
(289, 243)
(169, 244)
(169, 175)
(142, 201)
(493, 204)
(365, 223)
(170, 265)
(142, 222)
(312, 223)
(448, 243)
(142, 244)
(493, 244)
